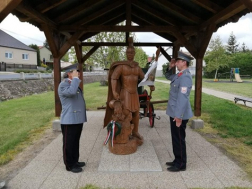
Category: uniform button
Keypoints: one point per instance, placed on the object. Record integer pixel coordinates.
(74, 111)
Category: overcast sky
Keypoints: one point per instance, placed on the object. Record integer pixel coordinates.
(29, 34)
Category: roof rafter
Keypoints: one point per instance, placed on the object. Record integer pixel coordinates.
(48, 5)
(30, 12)
(231, 10)
(209, 5)
(100, 13)
(155, 13)
(7, 6)
(75, 11)
(180, 11)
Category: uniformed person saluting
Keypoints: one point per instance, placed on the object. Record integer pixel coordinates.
(72, 117)
(179, 109)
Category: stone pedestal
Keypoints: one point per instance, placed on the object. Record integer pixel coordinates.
(197, 124)
(56, 125)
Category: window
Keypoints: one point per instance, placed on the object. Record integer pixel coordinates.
(25, 56)
(8, 55)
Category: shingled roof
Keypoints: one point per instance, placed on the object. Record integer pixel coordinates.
(11, 42)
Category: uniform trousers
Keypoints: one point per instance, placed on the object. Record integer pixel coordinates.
(178, 135)
(71, 140)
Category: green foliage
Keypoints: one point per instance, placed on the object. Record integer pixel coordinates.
(164, 67)
(232, 46)
(35, 47)
(65, 58)
(141, 57)
(216, 57)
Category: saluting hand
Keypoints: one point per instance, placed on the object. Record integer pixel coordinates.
(75, 73)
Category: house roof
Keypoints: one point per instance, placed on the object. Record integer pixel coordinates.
(11, 42)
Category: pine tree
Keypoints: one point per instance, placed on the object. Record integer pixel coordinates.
(232, 46)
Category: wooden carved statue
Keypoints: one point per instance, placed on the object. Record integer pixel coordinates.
(122, 92)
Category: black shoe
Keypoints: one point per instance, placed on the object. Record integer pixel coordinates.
(75, 169)
(169, 163)
(175, 169)
(80, 164)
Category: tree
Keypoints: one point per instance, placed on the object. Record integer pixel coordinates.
(35, 47)
(141, 57)
(244, 48)
(216, 56)
(232, 46)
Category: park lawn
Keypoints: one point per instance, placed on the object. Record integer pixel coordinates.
(227, 124)
(224, 85)
(21, 119)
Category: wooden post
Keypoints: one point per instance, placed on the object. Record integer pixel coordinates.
(57, 80)
(198, 87)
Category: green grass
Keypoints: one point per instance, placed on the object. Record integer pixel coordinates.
(242, 89)
(20, 118)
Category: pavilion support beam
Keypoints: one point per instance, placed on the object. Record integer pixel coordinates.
(175, 55)
(57, 80)
(54, 41)
(85, 57)
(167, 56)
(202, 43)
(69, 43)
(78, 51)
(6, 6)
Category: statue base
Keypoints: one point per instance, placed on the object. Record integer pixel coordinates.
(127, 148)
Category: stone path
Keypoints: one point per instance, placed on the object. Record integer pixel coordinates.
(207, 166)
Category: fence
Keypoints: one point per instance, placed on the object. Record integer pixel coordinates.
(12, 66)
(24, 76)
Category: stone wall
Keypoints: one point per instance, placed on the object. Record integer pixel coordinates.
(19, 88)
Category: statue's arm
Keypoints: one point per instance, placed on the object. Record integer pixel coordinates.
(114, 81)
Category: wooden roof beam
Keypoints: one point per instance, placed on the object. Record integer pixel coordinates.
(128, 18)
(180, 11)
(184, 42)
(70, 42)
(228, 12)
(48, 5)
(248, 4)
(68, 35)
(7, 6)
(101, 13)
(154, 13)
(106, 28)
(109, 44)
(141, 21)
(33, 14)
(209, 5)
(75, 11)
(86, 56)
(112, 21)
(50, 39)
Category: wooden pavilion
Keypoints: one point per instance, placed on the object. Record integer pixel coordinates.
(183, 23)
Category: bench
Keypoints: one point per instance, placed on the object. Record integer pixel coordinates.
(244, 99)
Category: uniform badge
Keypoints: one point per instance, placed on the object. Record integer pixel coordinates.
(183, 90)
